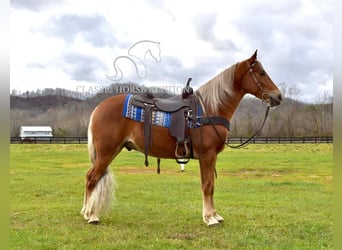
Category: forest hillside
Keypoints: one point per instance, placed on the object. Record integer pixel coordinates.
(68, 113)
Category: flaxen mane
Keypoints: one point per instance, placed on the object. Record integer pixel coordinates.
(216, 91)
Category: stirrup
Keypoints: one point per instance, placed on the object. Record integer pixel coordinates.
(183, 158)
(182, 161)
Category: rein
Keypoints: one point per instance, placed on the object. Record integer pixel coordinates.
(210, 121)
(248, 141)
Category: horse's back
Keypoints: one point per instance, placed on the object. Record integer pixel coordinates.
(110, 104)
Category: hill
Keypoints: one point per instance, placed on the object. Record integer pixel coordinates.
(41, 103)
(69, 116)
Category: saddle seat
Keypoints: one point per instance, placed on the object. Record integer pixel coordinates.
(171, 104)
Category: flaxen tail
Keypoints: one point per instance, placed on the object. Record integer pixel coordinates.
(102, 197)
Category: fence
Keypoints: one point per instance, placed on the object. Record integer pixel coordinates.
(232, 140)
(278, 140)
(50, 140)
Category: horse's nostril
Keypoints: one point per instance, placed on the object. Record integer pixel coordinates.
(275, 100)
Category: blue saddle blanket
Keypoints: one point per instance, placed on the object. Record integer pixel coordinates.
(159, 118)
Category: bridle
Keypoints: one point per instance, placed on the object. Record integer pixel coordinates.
(263, 95)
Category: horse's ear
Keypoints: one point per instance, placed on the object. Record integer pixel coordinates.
(254, 56)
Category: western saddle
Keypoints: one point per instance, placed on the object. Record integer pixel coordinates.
(183, 108)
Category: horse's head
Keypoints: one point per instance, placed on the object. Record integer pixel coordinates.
(253, 79)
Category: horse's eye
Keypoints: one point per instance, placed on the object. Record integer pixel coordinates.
(262, 73)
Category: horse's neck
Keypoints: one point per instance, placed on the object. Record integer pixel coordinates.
(233, 100)
(230, 106)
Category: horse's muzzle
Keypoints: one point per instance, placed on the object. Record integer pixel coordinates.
(272, 99)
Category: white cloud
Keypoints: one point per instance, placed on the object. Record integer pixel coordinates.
(76, 42)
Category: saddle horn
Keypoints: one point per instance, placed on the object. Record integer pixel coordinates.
(188, 83)
(187, 91)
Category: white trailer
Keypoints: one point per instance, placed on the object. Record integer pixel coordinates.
(31, 132)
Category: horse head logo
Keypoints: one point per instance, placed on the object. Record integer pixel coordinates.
(136, 56)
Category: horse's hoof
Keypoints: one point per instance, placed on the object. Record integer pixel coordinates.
(94, 220)
(218, 217)
(211, 221)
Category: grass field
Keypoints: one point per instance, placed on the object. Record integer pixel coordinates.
(271, 196)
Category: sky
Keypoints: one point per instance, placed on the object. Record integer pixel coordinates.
(83, 45)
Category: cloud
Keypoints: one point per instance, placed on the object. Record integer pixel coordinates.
(171, 70)
(94, 28)
(77, 66)
(82, 67)
(204, 26)
(34, 5)
(82, 39)
(294, 40)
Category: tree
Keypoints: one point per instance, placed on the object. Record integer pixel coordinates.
(322, 116)
(290, 107)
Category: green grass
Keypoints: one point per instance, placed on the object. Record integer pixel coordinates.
(271, 196)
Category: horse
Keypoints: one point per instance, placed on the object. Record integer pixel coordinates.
(109, 132)
(136, 56)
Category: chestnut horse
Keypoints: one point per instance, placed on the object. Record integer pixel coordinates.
(109, 132)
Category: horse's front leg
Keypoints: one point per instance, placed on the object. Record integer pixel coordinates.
(207, 165)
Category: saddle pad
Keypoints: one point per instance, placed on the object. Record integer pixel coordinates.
(159, 118)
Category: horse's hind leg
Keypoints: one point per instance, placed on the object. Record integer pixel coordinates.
(99, 189)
